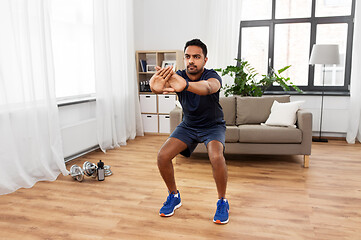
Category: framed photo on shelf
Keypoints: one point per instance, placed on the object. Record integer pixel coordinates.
(167, 63)
(151, 68)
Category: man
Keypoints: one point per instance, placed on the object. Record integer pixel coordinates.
(198, 92)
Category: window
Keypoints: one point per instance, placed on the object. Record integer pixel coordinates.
(290, 49)
(256, 47)
(283, 32)
(333, 34)
(72, 39)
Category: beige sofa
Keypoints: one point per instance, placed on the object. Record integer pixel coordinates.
(246, 135)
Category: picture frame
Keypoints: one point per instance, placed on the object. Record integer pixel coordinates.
(151, 68)
(167, 63)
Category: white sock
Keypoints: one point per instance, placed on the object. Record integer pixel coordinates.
(175, 195)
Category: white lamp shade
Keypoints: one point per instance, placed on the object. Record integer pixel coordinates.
(325, 54)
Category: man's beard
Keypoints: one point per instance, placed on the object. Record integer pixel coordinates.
(193, 72)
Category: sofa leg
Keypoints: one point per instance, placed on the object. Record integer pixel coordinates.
(306, 161)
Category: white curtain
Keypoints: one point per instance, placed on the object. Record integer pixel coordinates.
(223, 22)
(30, 140)
(118, 110)
(354, 127)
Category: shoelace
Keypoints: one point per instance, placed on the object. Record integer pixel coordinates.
(221, 206)
(169, 198)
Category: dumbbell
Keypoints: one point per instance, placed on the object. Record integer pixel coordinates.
(107, 171)
(90, 169)
(77, 173)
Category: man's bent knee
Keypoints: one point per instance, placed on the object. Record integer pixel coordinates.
(171, 148)
(217, 158)
(163, 157)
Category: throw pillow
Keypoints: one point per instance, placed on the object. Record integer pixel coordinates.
(284, 114)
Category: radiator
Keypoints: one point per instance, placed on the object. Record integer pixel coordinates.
(79, 137)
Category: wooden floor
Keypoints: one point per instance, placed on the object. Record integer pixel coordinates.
(271, 197)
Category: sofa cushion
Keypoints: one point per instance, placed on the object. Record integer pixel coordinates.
(284, 114)
(232, 134)
(228, 105)
(256, 133)
(256, 110)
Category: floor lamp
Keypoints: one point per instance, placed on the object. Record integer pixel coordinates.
(324, 54)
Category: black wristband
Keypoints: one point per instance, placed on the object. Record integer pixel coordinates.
(187, 85)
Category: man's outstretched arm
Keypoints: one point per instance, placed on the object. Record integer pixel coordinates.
(203, 87)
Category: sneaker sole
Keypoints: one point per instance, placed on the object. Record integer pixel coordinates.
(219, 221)
(171, 214)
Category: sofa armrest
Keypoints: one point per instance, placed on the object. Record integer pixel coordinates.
(304, 123)
(175, 118)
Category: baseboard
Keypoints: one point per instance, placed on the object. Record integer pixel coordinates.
(331, 138)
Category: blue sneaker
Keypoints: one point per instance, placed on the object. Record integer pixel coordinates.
(221, 216)
(173, 202)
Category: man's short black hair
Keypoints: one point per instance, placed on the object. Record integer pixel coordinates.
(199, 43)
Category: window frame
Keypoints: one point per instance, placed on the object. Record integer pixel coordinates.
(314, 21)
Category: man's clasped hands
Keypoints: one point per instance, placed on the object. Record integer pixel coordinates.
(165, 80)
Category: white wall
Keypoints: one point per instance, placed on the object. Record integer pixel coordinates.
(167, 24)
(335, 114)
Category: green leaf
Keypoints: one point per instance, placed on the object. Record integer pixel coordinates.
(284, 69)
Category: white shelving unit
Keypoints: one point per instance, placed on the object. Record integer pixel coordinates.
(155, 108)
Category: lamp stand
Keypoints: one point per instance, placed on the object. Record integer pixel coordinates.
(319, 139)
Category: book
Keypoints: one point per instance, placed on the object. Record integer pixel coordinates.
(143, 65)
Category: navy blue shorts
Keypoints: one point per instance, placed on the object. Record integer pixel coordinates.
(192, 136)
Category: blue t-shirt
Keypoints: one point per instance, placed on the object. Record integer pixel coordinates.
(201, 111)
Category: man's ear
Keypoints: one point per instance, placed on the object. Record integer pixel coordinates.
(205, 60)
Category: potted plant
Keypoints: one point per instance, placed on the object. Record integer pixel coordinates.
(245, 83)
